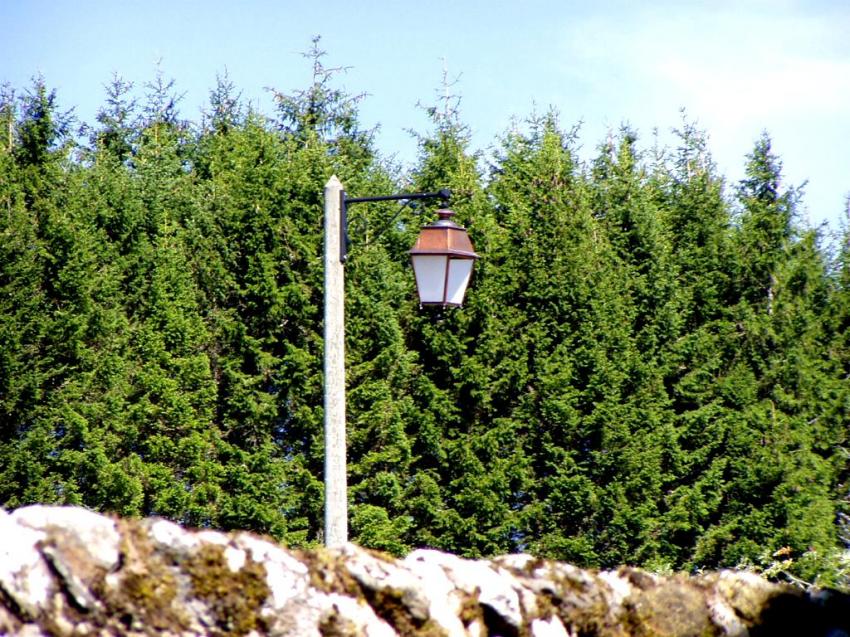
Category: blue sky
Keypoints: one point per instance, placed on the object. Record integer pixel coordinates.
(736, 67)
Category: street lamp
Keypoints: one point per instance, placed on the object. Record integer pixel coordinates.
(442, 261)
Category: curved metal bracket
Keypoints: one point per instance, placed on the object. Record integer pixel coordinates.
(445, 194)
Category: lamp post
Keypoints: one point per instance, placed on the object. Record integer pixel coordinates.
(442, 261)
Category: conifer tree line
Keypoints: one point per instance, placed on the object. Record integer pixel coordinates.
(652, 366)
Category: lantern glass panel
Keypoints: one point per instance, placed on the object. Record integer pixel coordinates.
(430, 271)
(460, 270)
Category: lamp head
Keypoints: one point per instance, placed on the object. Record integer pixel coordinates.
(442, 259)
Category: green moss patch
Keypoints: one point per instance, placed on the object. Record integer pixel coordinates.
(146, 589)
(388, 604)
(334, 624)
(328, 573)
(669, 609)
(234, 598)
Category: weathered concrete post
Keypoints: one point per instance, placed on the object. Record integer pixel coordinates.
(336, 504)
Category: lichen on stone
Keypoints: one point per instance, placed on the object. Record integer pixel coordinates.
(327, 572)
(388, 604)
(143, 593)
(335, 624)
(669, 609)
(470, 608)
(235, 598)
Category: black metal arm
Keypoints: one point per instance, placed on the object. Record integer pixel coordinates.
(445, 194)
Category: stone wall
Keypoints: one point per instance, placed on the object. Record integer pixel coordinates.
(68, 571)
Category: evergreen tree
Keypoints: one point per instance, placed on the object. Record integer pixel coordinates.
(114, 137)
(644, 372)
(765, 226)
(35, 357)
(640, 450)
(839, 354)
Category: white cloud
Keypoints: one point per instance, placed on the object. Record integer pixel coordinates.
(788, 88)
(738, 68)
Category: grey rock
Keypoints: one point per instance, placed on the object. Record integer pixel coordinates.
(67, 571)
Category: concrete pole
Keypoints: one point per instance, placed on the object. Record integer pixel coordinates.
(336, 497)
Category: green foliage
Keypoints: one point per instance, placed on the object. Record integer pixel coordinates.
(647, 371)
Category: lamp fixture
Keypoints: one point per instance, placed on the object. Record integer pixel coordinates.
(442, 257)
(442, 260)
